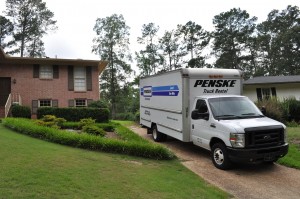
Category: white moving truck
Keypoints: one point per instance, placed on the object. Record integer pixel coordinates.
(205, 106)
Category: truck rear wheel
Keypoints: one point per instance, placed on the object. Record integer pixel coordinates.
(158, 136)
(220, 157)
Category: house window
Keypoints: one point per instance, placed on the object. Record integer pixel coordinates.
(45, 103)
(79, 78)
(80, 103)
(265, 93)
(46, 72)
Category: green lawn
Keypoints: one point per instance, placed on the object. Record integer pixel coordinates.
(292, 159)
(32, 168)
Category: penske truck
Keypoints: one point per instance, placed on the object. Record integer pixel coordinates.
(206, 107)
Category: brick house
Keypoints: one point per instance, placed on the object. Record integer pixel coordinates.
(40, 82)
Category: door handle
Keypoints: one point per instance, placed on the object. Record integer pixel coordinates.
(193, 126)
(213, 125)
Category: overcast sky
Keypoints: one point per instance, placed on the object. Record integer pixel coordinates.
(76, 18)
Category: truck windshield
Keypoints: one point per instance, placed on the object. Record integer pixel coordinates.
(227, 108)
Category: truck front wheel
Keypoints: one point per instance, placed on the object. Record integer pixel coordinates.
(158, 136)
(220, 157)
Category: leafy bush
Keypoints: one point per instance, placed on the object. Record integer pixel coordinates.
(134, 145)
(75, 114)
(292, 124)
(137, 116)
(51, 121)
(94, 130)
(86, 122)
(99, 104)
(292, 109)
(20, 111)
(274, 109)
(125, 116)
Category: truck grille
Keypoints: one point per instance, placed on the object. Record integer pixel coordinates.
(259, 137)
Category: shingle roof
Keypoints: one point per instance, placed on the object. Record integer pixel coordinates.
(273, 80)
(53, 61)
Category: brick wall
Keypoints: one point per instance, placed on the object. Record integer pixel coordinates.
(57, 89)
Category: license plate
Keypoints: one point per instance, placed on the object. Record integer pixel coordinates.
(269, 157)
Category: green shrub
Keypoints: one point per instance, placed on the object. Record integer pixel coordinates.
(20, 111)
(274, 109)
(86, 122)
(70, 125)
(133, 144)
(51, 121)
(292, 109)
(137, 116)
(292, 124)
(94, 130)
(125, 116)
(75, 114)
(99, 104)
(108, 127)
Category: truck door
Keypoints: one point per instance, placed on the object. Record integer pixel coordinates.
(201, 125)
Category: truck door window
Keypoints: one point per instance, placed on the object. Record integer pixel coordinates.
(201, 106)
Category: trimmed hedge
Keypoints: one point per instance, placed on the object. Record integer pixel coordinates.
(136, 147)
(75, 114)
(20, 111)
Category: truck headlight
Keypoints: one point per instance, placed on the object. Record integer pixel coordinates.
(237, 140)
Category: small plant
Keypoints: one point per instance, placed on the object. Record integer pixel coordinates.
(292, 124)
(51, 121)
(86, 122)
(94, 130)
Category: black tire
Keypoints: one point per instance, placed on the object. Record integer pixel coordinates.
(220, 157)
(158, 136)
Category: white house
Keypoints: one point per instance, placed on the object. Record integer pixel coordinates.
(281, 87)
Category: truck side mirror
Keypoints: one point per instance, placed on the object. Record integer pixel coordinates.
(196, 115)
(263, 110)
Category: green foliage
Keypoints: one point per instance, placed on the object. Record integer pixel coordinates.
(7, 29)
(94, 130)
(125, 116)
(149, 59)
(286, 111)
(51, 121)
(233, 32)
(277, 38)
(137, 116)
(86, 122)
(75, 114)
(99, 104)
(131, 143)
(274, 109)
(31, 20)
(31, 168)
(112, 44)
(292, 124)
(292, 159)
(21, 111)
(291, 109)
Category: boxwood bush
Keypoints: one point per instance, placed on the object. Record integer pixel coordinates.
(20, 111)
(75, 114)
(132, 145)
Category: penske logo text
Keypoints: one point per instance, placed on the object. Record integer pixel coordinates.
(214, 83)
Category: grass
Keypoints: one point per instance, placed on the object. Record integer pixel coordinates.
(33, 168)
(130, 143)
(292, 159)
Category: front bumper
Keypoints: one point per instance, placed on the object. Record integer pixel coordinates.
(257, 155)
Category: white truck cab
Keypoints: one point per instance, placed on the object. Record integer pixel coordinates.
(205, 106)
